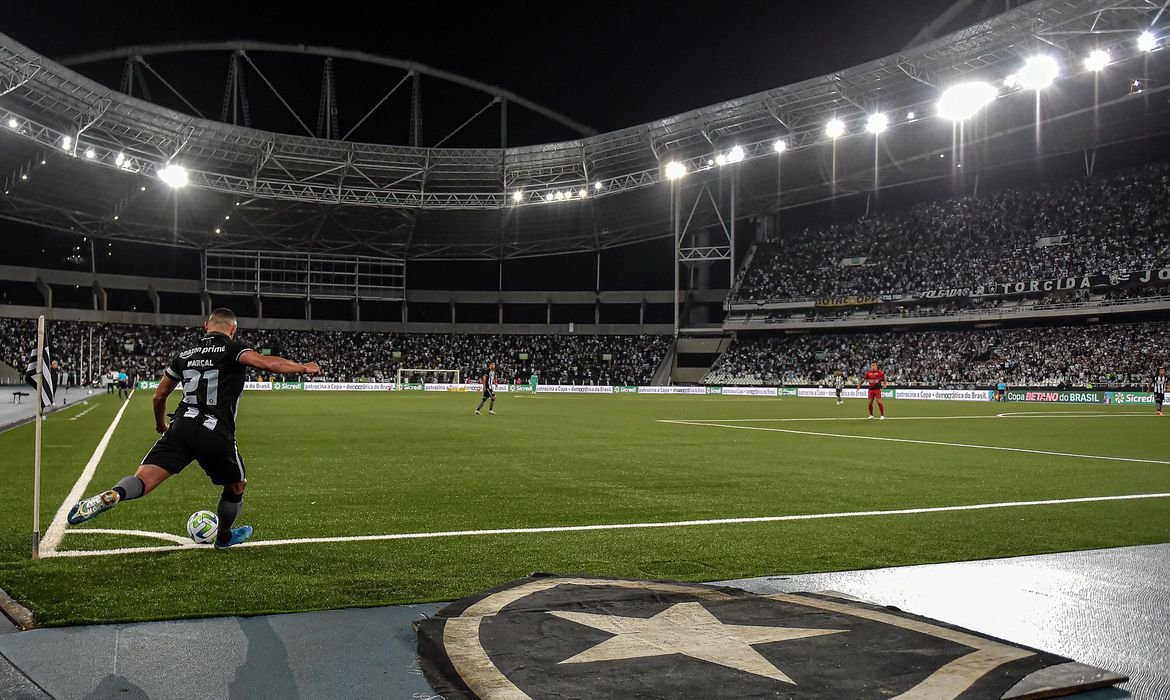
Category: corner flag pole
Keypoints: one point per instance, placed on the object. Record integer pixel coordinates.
(36, 534)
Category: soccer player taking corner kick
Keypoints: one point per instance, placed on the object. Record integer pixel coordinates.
(211, 373)
(877, 381)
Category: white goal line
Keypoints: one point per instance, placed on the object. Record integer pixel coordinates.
(190, 546)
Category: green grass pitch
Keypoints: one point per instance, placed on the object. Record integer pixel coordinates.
(351, 464)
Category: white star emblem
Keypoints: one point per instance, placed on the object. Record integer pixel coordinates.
(687, 629)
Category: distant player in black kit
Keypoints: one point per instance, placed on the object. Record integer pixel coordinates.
(489, 391)
(203, 427)
(1160, 389)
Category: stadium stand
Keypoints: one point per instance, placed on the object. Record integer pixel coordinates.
(143, 351)
(1116, 355)
(1101, 225)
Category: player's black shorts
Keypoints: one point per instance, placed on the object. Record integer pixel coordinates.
(1159, 398)
(186, 441)
(488, 393)
(838, 393)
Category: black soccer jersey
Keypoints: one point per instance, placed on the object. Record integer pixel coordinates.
(212, 379)
(1160, 384)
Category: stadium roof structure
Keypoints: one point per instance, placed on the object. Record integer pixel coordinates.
(78, 156)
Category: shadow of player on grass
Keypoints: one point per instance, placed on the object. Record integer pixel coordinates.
(265, 672)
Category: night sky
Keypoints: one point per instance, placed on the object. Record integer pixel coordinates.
(607, 65)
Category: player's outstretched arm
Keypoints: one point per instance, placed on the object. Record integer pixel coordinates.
(277, 365)
(165, 386)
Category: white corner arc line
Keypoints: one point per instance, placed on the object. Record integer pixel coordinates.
(56, 529)
(627, 526)
(165, 536)
(712, 424)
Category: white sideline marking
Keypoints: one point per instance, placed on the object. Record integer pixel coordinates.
(56, 529)
(712, 424)
(620, 526)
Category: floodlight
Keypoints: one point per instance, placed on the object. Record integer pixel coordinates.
(173, 175)
(120, 159)
(24, 177)
(517, 196)
(90, 153)
(1038, 72)
(963, 101)
(560, 196)
(66, 142)
(1147, 41)
(115, 217)
(780, 145)
(583, 193)
(142, 189)
(910, 115)
(735, 155)
(835, 128)
(12, 123)
(219, 230)
(721, 159)
(597, 186)
(877, 123)
(1097, 60)
(675, 170)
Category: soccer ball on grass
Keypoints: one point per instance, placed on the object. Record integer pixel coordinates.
(202, 526)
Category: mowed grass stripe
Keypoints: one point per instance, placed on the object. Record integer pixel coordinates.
(187, 545)
(344, 465)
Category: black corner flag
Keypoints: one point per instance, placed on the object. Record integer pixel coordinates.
(30, 375)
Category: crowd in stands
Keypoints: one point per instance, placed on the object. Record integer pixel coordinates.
(1104, 224)
(143, 351)
(1113, 355)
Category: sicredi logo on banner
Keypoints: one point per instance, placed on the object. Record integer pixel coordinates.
(714, 390)
(1129, 397)
(625, 390)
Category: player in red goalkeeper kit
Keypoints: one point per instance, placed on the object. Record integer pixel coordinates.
(877, 381)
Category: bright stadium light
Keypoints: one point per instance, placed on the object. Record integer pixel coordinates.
(119, 159)
(560, 196)
(12, 123)
(1147, 41)
(583, 193)
(721, 159)
(1097, 60)
(780, 145)
(910, 116)
(517, 196)
(90, 153)
(66, 142)
(597, 185)
(173, 175)
(877, 123)
(835, 128)
(1038, 72)
(735, 155)
(963, 101)
(675, 170)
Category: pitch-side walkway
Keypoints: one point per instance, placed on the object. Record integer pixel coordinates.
(15, 413)
(1106, 608)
